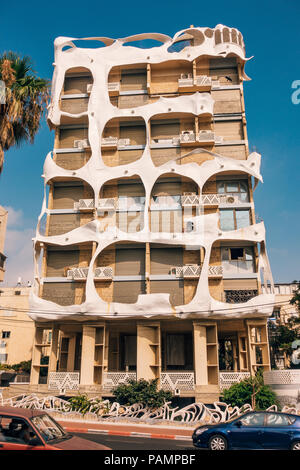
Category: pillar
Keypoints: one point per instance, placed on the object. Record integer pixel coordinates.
(87, 355)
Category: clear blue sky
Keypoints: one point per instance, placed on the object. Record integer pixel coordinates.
(271, 33)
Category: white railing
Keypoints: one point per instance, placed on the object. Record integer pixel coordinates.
(187, 137)
(113, 379)
(217, 199)
(109, 141)
(202, 80)
(114, 86)
(188, 82)
(78, 274)
(190, 271)
(282, 377)
(84, 204)
(123, 143)
(103, 273)
(81, 144)
(108, 204)
(172, 381)
(63, 381)
(229, 378)
(206, 136)
(215, 271)
(190, 199)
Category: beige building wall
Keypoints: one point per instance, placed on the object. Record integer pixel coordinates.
(16, 328)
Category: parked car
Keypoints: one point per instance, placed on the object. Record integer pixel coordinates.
(25, 429)
(253, 430)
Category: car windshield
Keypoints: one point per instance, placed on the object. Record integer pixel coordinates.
(48, 428)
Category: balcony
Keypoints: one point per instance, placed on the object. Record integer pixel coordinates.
(239, 296)
(107, 204)
(215, 272)
(81, 144)
(110, 142)
(100, 273)
(114, 88)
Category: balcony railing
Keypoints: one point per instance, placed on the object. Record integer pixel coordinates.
(63, 381)
(189, 271)
(200, 82)
(113, 88)
(239, 296)
(172, 381)
(229, 378)
(107, 204)
(113, 379)
(80, 274)
(84, 205)
(215, 271)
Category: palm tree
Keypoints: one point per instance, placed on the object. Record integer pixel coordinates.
(26, 96)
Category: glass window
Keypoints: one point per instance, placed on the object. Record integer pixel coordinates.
(276, 419)
(255, 419)
(236, 253)
(15, 430)
(242, 218)
(232, 187)
(5, 334)
(221, 188)
(227, 220)
(48, 428)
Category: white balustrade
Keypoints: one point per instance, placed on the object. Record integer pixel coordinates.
(171, 381)
(63, 381)
(229, 378)
(113, 379)
(84, 204)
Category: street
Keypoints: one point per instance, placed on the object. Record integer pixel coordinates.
(137, 443)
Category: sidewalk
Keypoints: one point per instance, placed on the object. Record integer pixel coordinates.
(157, 431)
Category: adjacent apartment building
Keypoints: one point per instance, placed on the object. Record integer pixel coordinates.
(149, 260)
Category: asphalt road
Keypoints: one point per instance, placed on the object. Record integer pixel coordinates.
(138, 443)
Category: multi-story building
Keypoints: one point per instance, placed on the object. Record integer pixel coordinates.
(16, 328)
(148, 252)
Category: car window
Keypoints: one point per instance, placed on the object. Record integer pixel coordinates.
(255, 419)
(15, 430)
(276, 419)
(48, 428)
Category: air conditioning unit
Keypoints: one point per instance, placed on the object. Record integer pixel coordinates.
(2, 344)
(81, 144)
(186, 76)
(230, 199)
(89, 87)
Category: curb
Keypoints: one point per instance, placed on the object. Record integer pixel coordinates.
(128, 434)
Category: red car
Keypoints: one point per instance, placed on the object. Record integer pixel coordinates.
(25, 429)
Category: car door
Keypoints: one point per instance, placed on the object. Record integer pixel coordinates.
(247, 431)
(278, 431)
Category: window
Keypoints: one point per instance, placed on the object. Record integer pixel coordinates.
(274, 420)
(3, 358)
(234, 219)
(255, 419)
(15, 430)
(236, 188)
(5, 334)
(238, 260)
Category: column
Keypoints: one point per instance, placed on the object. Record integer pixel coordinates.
(87, 356)
(54, 350)
(148, 351)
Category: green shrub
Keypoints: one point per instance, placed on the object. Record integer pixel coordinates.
(252, 391)
(141, 391)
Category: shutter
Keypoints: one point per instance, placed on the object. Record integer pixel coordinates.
(65, 196)
(163, 131)
(130, 262)
(230, 130)
(75, 85)
(163, 259)
(128, 291)
(58, 261)
(240, 284)
(136, 134)
(67, 136)
(174, 288)
(134, 80)
(63, 223)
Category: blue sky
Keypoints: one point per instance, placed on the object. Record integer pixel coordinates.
(271, 33)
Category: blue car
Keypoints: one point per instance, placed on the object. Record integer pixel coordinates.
(253, 430)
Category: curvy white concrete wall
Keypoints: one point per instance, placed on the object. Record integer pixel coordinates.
(96, 173)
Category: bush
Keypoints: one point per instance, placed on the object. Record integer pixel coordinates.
(252, 391)
(141, 391)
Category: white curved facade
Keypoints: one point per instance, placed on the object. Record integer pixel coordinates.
(208, 97)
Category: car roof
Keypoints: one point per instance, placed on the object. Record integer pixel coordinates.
(20, 412)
